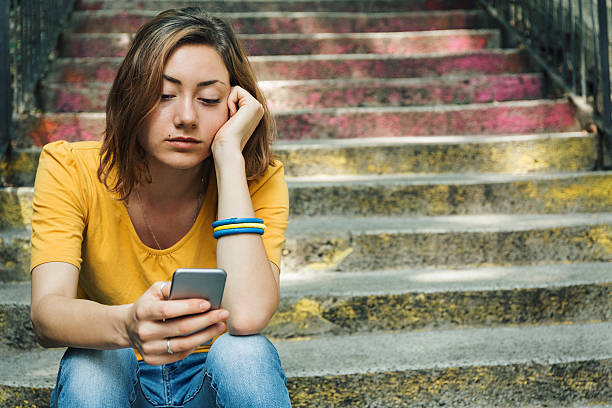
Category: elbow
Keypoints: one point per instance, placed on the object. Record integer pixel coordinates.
(39, 333)
(247, 323)
(40, 337)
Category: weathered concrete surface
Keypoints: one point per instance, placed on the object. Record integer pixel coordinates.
(103, 69)
(310, 94)
(492, 118)
(431, 195)
(129, 20)
(574, 151)
(320, 304)
(281, 5)
(554, 365)
(15, 206)
(397, 43)
(14, 255)
(473, 119)
(427, 195)
(19, 167)
(446, 154)
(401, 92)
(352, 243)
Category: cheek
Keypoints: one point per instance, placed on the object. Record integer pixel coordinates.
(214, 122)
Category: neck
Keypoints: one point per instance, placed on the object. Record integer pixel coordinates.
(170, 185)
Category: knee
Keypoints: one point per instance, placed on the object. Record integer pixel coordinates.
(89, 377)
(240, 367)
(243, 351)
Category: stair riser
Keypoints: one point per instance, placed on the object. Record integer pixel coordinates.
(490, 120)
(325, 316)
(527, 384)
(572, 154)
(408, 44)
(587, 194)
(566, 154)
(336, 94)
(485, 62)
(129, 22)
(482, 120)
(366, 251)
(329, 251)
(243, 6)
(553, 196)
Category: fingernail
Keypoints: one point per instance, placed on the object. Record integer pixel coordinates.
(204, 305)
(224, 314)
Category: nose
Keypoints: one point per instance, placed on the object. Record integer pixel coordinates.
(185, 115)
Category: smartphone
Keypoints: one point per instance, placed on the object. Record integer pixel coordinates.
(197, 283)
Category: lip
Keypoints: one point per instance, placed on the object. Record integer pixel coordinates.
(182, 139)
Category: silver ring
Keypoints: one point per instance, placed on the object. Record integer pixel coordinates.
(168, 347)
(161, 290)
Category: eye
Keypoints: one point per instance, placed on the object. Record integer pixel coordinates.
(210, 101)
(166, 97)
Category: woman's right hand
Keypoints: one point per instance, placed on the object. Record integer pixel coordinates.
(152, 321)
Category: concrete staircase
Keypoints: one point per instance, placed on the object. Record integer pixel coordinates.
(449, 244)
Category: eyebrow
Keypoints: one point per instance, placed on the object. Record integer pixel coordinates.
(203, 83)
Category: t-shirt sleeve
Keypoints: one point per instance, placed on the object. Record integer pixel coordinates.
(59, 209)
(270, 199)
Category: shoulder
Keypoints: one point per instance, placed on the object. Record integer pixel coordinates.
(273, 176)
(72, 153)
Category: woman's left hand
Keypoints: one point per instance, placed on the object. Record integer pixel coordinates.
(245, 114)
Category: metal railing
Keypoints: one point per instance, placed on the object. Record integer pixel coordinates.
(28, 32)
(569, 40)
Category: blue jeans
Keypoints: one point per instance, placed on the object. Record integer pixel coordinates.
(238, 371)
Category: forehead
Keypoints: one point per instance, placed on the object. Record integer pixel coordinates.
(195, 63)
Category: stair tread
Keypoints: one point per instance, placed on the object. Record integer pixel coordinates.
(346, 355)
(299, 226)
(401, 281)
(431, 179)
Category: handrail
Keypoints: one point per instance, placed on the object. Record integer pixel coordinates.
(568, 39)
(28, 33)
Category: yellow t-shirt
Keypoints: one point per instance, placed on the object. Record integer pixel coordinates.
(77, 220)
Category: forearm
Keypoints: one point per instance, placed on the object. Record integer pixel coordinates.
(60, 321)
(251, 292)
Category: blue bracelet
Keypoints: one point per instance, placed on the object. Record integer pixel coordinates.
(222, 233)
(228, 221)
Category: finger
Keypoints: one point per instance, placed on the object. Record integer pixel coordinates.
(170, 309)
(232, 101)
(163, 290)
(186, 344)
(192, 324)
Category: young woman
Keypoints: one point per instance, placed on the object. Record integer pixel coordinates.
(186, 143)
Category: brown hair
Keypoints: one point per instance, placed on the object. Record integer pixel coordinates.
(136, 89)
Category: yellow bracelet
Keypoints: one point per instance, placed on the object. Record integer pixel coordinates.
(241, 225)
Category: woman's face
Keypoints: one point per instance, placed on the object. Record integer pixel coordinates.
(192, 108)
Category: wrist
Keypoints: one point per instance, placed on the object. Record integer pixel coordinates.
(120, 316)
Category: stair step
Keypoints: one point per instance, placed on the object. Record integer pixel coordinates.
(361, 244)
(340, 123)
(319, 304)
(334, 243)
(456, 194)
(402, 43)
(422, 195)
(103, 69)
(559, 365)
(243, 6)
(128, 21)
(311, 94)
(573, 151)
